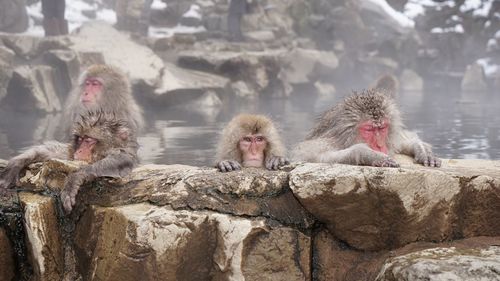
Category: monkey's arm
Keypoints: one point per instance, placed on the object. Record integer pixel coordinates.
(410, 144)
(34, 154)
(322, 151)
(358, 154)
(118, 163)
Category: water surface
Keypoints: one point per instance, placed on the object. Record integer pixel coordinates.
(458, 125)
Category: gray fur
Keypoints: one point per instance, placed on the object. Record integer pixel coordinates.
(334, 139)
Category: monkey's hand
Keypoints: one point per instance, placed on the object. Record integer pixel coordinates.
(428, 160)
(386, 162)
(274, 162)
(228, 166)
(424, 156)
(71, 187)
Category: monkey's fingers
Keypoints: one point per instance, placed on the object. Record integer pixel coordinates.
(225, 166)
(235, 165)
(434, 161)
(284, 161)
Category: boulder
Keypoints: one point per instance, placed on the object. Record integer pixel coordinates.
(7, 270)
(67, 69)
(30, 47)
(181, 85)
(6, 69)
(373, 209)
(142, 67)
(13, 16)
(250, 192)
(411, 81)
(33, 87)
(474, 79)
(444, 264)
(43, 235)
(145, 242)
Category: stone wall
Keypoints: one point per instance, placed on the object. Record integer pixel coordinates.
(306, 222)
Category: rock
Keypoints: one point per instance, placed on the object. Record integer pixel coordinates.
(353, 265)
(181, 85)
(411, 81)
(13, 16)
(43, 234)
(192, 17)
(6, 69)
(147, 242)
(260, 36)
(7, 270)
(373, 209)
(302, 65)
(29, 47)
(444, 264)
(474, 79)
(67, 70)
(133, 15)
(142, 67)
(324, 89)
(242, 90)
(260, 70)
(251, 192)
(33, 87)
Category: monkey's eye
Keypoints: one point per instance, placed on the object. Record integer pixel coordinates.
(259, 138)
(247, 139)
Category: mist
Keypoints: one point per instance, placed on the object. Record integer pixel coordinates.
(294, 60)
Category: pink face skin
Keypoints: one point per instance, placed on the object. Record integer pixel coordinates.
(252, 149)
(375, 135)
(92, 90)
(84, 151)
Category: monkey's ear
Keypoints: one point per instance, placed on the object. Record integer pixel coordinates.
(123, 133)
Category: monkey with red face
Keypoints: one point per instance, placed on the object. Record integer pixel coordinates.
(250, 141)
(100, 139)
(365, 129)
(102, 87)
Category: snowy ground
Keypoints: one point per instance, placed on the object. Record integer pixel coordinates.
(76, 18)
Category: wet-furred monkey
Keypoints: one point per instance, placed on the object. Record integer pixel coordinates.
(250, 141)
(100, 139)
(101, 87)
(365, 129)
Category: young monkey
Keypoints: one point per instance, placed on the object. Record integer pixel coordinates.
(250, 141)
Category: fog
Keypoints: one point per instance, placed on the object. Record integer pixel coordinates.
(446, 55)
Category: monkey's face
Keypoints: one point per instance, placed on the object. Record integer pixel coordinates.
(375, 134)
(84, 147)
(252, 149)
(91, 92)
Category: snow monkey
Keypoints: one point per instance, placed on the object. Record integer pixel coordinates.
(388, 84)
(100, 139)
(102, 87)
(250, 141)
(365, 129)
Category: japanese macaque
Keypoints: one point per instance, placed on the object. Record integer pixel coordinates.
(102, 87)
(365, 129)
(388, 84)
(100, 139)
(250, 141)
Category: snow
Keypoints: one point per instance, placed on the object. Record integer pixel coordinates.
(457, 29)
(157, 32)
(480, 8)
(415, 8)
(490, 69)
(382, 5)
(76, 18)
(158, 5)
(194, 12)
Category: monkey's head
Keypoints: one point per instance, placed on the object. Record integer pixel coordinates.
(95, 133)
(250, 140)
(387, 84)
(101, 86)
(370, 117)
